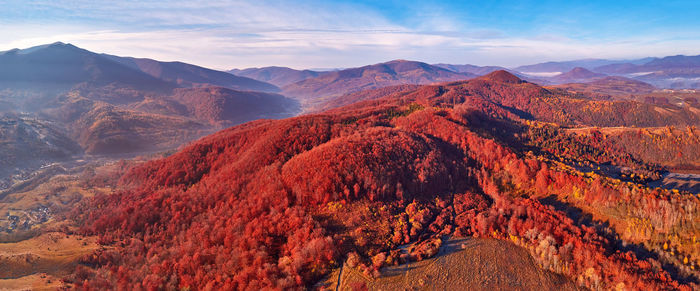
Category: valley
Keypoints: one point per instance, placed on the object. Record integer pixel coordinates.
(37, 246)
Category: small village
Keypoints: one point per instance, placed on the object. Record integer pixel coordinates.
(15, 220)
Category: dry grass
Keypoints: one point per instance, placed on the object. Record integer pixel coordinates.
(52, 253)
(462, 264)
(36, 257)
(34, 206)
(35, 282)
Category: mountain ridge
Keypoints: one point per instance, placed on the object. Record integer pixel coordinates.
(109, 104)
(189, 75)
(395, 72)
(279, 76)
(279, 203)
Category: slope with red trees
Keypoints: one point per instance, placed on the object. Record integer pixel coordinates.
(276, 204)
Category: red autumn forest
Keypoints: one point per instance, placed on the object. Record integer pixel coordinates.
(276, 204)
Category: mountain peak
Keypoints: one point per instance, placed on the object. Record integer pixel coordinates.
(503, 76)
(395, 72)
(402, 63)
(579, 73)
(397, 61)
(46, 47)
(60, 44)
(579, 70)
(12, 51)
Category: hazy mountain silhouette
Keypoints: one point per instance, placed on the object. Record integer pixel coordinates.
(110, 104)
(188, 75)
(569, 65)
(63, 65)
(471, 69)
(577, 74)
(279, 76)
(369, 77)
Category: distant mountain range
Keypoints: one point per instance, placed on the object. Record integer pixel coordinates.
(187, 75)
(549, 67)
(279, 76)
(577, 74)
(673, 72)
(471, 69)
(111, 104)
(62, 66)
(396, 72)
(108, 104)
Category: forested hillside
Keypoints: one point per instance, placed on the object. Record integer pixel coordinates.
(277, 204)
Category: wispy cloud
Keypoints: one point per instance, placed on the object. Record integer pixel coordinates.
(227, 34)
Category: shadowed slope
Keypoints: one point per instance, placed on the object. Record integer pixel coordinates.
(65, 65)
(187, 75)
(228, 107)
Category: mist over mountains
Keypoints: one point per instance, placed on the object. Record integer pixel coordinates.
(673, 72)
(129, 104)
(79, 89)
(115, 105)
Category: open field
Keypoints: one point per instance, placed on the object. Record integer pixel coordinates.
(39, 262)
(28, 207)
(33, 282)
(34, 253)
(461, 264)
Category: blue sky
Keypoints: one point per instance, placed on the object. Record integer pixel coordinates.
(342, 33)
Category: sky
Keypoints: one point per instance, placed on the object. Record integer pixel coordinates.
(343, 33)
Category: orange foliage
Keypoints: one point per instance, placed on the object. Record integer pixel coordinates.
(276, 204)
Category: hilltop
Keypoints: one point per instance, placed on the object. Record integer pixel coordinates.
(279, 203)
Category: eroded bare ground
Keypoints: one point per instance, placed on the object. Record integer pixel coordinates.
(462, 264)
